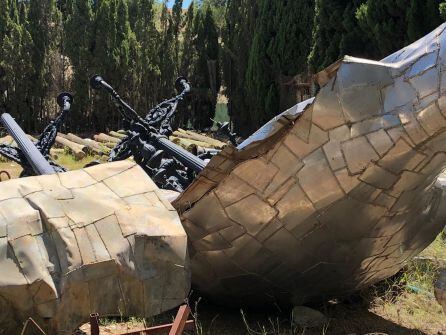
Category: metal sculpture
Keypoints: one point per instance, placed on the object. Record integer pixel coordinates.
(224, 128)
(101, 239)
(332, 195)
(147, 140)
(24, 152)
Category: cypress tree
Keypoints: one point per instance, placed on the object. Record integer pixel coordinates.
(166, 54)
(43, 22)
(148, 61)
(237, 40)
(4, 19)
(206, 69)
(177, 25)
(105, 61)
(392, 24)
(186, 61)
(279, 50)
(78, 47)
(16, 65)
(442, 9)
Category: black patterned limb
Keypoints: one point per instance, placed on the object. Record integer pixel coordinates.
(170, 166)
(30, 161)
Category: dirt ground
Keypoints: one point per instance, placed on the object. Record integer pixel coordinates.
(352, 317)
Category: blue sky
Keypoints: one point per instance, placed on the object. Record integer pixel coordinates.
(186, 3)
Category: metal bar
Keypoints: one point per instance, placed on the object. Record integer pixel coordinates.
(39, 164)
(94, 324)
(34, 323)
(180, 320)
(185, 157)
(162, 329)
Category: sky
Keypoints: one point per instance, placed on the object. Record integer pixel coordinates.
(186, 3)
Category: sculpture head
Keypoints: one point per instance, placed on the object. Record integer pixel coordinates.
(332, 195)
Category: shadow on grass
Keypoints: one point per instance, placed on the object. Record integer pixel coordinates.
(350, 317)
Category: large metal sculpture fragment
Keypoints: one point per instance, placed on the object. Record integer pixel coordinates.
(44, 143)
(97, 240)
(332, 195)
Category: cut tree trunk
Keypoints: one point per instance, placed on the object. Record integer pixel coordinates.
(92, 146)
(211, 142)
(104, 138)
(117, 135)
(77, 150)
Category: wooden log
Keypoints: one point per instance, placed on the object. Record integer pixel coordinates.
(90, 146)
(76, 149)
(186, 143)
(7, 140)
(211, 142)
(56, 153)
(117, 135)
(84, 147)
(103, 146)
(104, 138)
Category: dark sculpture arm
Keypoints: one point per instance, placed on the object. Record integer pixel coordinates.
(147, 140)
(29, 155)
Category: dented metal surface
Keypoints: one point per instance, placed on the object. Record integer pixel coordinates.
(101, 239)
(331, 196)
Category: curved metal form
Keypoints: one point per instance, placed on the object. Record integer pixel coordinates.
(332, 195)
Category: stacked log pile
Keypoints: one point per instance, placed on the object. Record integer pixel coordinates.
(102, 143)
(195, 142)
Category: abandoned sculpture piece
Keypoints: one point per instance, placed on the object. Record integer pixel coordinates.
(332, 195)
(147, 140)
(101, 239)
(44, 143)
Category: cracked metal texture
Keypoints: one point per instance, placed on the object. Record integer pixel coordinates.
(332, 195)
(101, 239)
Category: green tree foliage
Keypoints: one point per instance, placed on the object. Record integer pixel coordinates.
(43, 22)
(279, 49)
(336, 32)
(16, 67)
(78, 44)
(391, 24)
(206, 75)
(254, 48)
(237, 41)
(442, 8)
